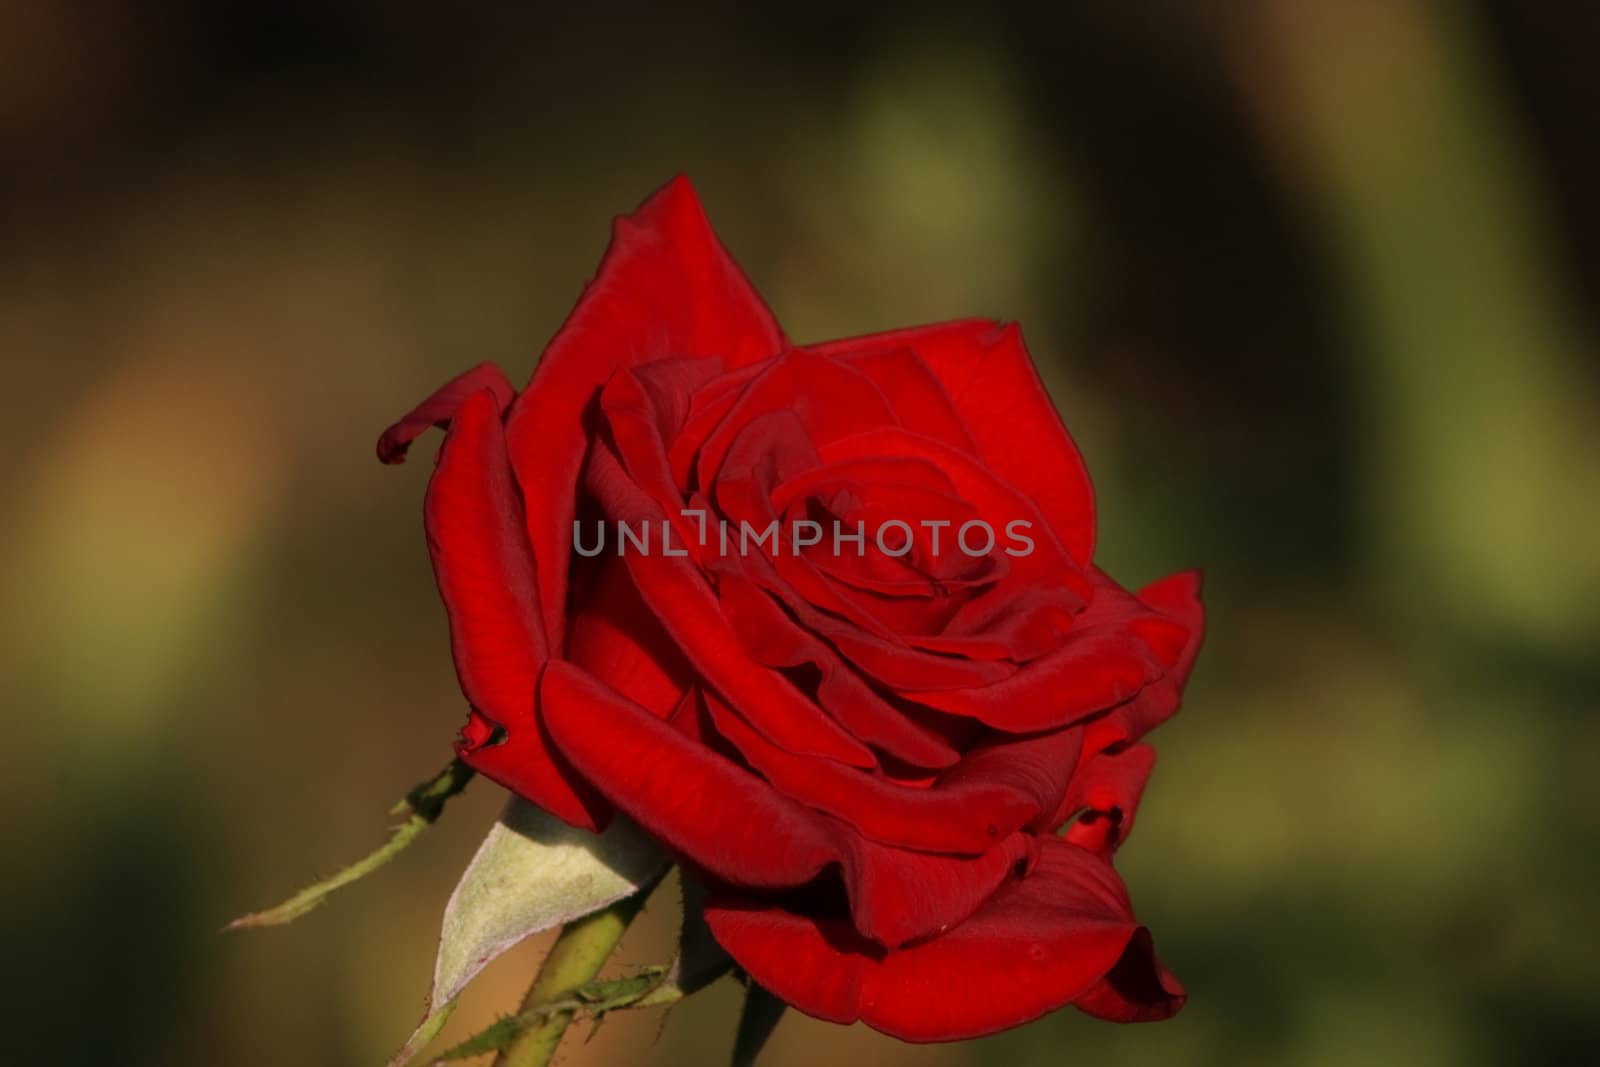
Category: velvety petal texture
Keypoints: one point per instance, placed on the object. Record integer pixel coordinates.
(1061, 935)
(824, 620)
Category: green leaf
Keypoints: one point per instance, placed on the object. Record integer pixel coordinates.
(534, 872)
(424, 804)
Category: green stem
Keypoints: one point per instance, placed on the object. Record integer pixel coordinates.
(573, 961)
(424, 804)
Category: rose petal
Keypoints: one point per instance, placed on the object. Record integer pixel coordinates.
(721, 816)
(613, 636)
(678, 594)
(666, 288)
(986, 370)
(1177, 598)
(827, 399)
(1139, 989)
(1109, 784)
(921, 402)
(968, 815)
(1039, 943)
(898, 896)
(1117, 646)
(439, 408)
(772, 637)
(474, 521)
(729, 822)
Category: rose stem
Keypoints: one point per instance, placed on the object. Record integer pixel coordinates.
(576, 957)
(759, 1018)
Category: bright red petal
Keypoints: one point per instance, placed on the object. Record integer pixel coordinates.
(678, 593)
(1045, 941)
(439, 408)
(706, 807)
(986, 370)
(1109, 784)
(1177, 598)
(474, 521)
(773, 638)
(739, 828)
(969, 815)
(1117, 647)
(666, 288)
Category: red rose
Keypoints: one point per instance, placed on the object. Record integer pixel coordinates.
(843, 649)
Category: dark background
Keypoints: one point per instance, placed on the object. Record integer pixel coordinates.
(1316, 286)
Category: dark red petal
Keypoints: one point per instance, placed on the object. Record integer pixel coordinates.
(969, 815)
(1117, 647)
(1024, 622)
(524, 761)
(485, 570)
(475, 530)
(725, 819)
(894, 664)
(772, 637)
(921, 402)
(613, 636)
(1177, 598)
(827, 400)
(677, 592)
(1139, 989)
(1039, 767)
(732, 824)
(1109, 784)
(1036, 945)
(439, 408)
(985, 368)
(707, 410)
(666, 288)
(898, 896)
(1089, 673)
(646, 408)
(988, 491)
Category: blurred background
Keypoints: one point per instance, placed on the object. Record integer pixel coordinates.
(1316, 285)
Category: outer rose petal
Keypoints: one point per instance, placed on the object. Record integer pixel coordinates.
(485, 572)
(898, 896)
(1109, 784)
(706, 807)
(1037, 944)
(969, 815)
(985, 368)
(1139, 989)
(1178, 598)
(441, 407)
(731, 823)
(1117, 647)
(666, 288)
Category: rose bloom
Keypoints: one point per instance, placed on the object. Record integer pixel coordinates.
(902, 778)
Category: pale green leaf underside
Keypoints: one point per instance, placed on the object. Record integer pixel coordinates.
(533, 872)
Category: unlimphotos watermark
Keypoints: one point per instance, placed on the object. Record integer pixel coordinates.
(974, 538)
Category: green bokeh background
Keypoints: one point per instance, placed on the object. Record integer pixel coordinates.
(1314, 284)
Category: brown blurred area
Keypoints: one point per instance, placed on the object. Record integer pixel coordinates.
(1316, 286)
